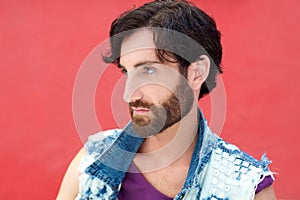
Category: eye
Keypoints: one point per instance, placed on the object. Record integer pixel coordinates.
(148, 70)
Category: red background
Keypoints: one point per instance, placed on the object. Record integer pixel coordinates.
(43, 44)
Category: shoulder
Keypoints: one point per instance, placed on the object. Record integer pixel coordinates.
(70, 183)
(99, 142)
(233, 154)
(234, 170)
(96, 145)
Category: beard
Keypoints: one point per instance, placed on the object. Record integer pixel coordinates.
(164, 115)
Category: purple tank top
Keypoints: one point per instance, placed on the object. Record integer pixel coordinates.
(136, 187)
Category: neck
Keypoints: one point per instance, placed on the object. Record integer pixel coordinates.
(173, 146)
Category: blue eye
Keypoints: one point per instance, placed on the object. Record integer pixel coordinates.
(148, 70)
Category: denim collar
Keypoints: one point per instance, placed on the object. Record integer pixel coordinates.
(112, 165)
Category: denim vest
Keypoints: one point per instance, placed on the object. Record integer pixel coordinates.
(218, 170)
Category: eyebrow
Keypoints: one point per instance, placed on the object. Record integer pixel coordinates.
(139, 64)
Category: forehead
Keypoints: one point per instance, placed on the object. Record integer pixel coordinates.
(138, 40)
(138, 48)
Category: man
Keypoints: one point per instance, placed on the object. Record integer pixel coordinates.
(170, 51)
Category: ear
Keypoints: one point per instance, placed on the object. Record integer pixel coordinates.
(198, 72)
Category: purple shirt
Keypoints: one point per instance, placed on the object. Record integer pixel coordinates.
(136, 187)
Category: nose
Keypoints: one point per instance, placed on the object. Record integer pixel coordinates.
(136, 95)
(132, 91)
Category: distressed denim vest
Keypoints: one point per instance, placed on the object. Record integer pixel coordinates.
(218, 170)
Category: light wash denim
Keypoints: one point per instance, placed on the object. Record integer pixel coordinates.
(218, 170)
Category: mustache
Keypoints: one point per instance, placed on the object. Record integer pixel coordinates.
(140, 103)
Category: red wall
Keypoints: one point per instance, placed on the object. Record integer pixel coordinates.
(43, 44)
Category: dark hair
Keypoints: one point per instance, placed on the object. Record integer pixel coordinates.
(180, 16)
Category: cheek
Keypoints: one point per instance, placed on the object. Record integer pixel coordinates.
(156, 93)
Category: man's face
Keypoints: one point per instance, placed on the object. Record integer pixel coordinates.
(157, 94)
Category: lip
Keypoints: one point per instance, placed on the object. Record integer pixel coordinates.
(140, 110)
